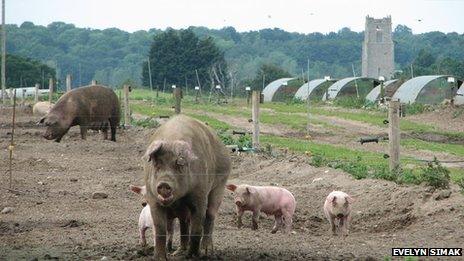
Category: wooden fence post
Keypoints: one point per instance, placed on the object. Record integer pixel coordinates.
(178, 99)
(23, 98)
(68, 82)
(394, 134)
(255, 118)
(36, 93)
(126, 106)
(93, 82)
(50, 90)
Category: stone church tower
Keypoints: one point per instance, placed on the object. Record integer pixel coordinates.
(377, 50)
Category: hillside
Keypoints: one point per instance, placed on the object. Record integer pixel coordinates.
(113, 56)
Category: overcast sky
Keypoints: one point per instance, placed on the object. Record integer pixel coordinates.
(304, 16)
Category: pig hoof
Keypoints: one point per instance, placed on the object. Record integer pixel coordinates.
(179, 252)
(207, 245)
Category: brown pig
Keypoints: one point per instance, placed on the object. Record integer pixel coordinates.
(93, 106)
(186, 165)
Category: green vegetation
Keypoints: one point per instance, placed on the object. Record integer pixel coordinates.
(146, 123)
(455, 149)
(435, 175)
(112, 56)
(177, 55)
(25, 72)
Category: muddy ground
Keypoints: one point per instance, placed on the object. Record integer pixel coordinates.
(55, 216)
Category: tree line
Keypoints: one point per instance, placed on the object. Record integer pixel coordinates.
(113, 56)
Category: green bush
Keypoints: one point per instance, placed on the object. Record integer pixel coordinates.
(146, 123)
(435, 175)
(414, 108)
(318, 160)
(350, 102)
(460, 183)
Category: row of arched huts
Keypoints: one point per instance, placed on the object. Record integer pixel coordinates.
(429, 89)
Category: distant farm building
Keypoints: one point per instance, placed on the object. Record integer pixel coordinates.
(459, 99)
(390, 88)
(352, 86)
(270, 90)
(430, 89)
(314, 89)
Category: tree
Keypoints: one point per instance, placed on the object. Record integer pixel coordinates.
(270, 73)
(22, 72)
(175, 55)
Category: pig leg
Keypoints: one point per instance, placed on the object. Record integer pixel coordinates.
(346, 225)
(254, 219)
(83, 132)
(196, 231)
(341, 225)
(159, 230)
(332, 225)
(214, 201)
(239, 217)
(287, 222)
(184, 233)
(277, 224)
(170, 232)
(105, 133)
(113, 126)
(143, 240)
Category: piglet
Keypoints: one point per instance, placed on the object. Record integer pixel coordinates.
(337, 209)
(146, 220)
(270, 200)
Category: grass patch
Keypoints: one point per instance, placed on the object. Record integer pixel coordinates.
(151, 110)
(454, 149)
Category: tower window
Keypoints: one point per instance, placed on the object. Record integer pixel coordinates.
(378, 34)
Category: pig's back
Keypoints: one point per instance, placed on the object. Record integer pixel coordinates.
(276, 199)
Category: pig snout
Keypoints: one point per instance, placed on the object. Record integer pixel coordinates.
(340, 215)
(164, 192)
(238, 201)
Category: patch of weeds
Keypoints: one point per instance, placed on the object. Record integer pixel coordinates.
(435, 175)
(460, 183)
(384, 173)
(318, 160)
(414, 108)
(458, 113)
(354, 167)
(146, 123)
(408, 177)
(350, 102)
(244, 141)
(226, 138)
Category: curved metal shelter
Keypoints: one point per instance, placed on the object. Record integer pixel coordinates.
(306, 89)
(338, 86)
(459, 98)
(409, 91)
(374, 94)
(273, 87)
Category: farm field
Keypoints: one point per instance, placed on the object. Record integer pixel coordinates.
(55, 216)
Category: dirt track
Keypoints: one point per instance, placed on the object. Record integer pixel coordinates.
(54, 214)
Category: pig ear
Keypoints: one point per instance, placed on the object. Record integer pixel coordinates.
(41, 121)
(231, 187)
(153, 150)
(136, 189)
(334, 199)
(250, 190)
(349, 199)
(184, 152)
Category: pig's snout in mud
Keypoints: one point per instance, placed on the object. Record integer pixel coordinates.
(238, 202)
(340, 216)
(165, 195)
(48, 136)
